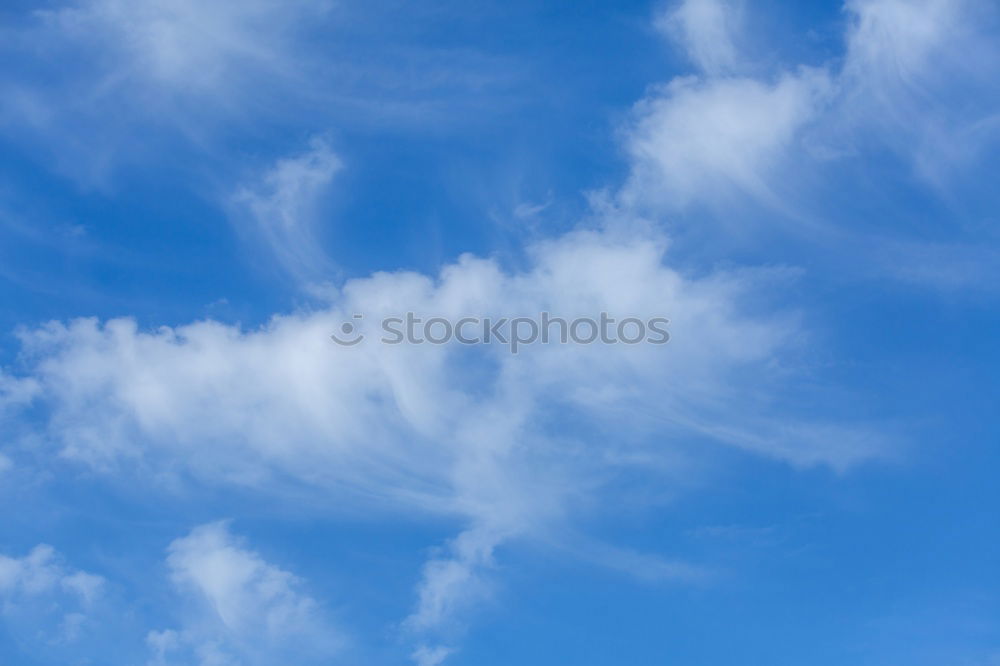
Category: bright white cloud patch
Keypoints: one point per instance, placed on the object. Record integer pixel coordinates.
(703, 138)
(286, 396)
(245, 610)
(696, 139)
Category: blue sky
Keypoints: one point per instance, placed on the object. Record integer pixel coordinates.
(194, 196)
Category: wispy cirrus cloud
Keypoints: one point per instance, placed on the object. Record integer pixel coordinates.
(165, 70)
(282, 211)
(190, 47)
(183, 77)
(902, 76)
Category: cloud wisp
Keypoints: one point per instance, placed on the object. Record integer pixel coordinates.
(282, 211)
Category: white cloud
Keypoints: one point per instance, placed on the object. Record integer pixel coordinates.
(699, 139)
(162, 644)
(247, 610)
(507, 446)
(707, 30)
(187, 45)
(175, 85)
(283, 210)
(16, 391)
(248, 594)
(454, 582)
(709, 137)
(166, 71)
(891, 42)
(510, 446)
(919, 76)
(903, 83)
(286, 396)
(44, 602)
(41, 572)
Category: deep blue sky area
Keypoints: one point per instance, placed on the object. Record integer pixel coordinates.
(194, 196)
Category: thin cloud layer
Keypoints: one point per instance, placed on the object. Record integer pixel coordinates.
(165, 71)
(191, 47)
(105, 86)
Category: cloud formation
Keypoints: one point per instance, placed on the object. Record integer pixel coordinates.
(509, 446)
(283, 210)
(166, 71)
(191, 47)
(693, 139)
(244, 609)
(707, 30)
(41, 573)
(506, 447)
(725, 133)
(44, 603)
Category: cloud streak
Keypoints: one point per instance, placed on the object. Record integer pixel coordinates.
(283, 211)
